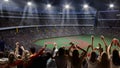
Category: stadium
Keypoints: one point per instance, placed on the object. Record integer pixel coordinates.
(35, 23)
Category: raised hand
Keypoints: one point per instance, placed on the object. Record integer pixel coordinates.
(115, 41)
(22, 48)
(54, 44)
(102, 37)
(71, 43)
(92, 37)
(105, 44)
(77, 46)
(45, 45)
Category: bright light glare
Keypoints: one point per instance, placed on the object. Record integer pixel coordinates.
(111, 5)
(67, 6)
(85, 6)
(6, 0)
(29, 3)
(48, 5)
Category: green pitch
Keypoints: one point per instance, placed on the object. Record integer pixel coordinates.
(82, 40)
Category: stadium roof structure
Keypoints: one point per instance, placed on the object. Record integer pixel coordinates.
(39, 5)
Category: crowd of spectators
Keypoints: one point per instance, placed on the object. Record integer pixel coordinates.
(102, 56)
(108, 31)
(29, 35)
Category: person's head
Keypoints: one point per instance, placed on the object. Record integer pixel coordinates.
(75, 53)
(104, 57)
(75, 57)
(11, 57)
(93, 56)
(66, 52)
(32, 50)
(104, 61)
(17, 44)
(48, 54)
(115, 57)
(61, 51)
(1, 55)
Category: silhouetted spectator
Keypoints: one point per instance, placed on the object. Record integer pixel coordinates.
(2, 45)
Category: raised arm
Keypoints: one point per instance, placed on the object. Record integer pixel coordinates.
(110, 46)
(116, 42)
(84, 53)
(42, 49)
(16, 51)
(81, 49)
(55, 49)
(103, 39)
(39, 52)
(17, 48)
(71, 48)
(89, 46)
(92, 41)
(100, 49)
(24, 51)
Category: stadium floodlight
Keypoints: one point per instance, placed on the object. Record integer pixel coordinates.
(6, 0)
(48, 5)
(85, 6)
(29, 3)
(67, 6)
(111, 5)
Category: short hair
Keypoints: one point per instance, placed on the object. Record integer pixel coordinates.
(1, 54)
(32, 50)
(75, 53)
(93, 57)
(115, 57)
(61, 51)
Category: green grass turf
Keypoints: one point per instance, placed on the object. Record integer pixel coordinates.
(64, 41)
(61, 41)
